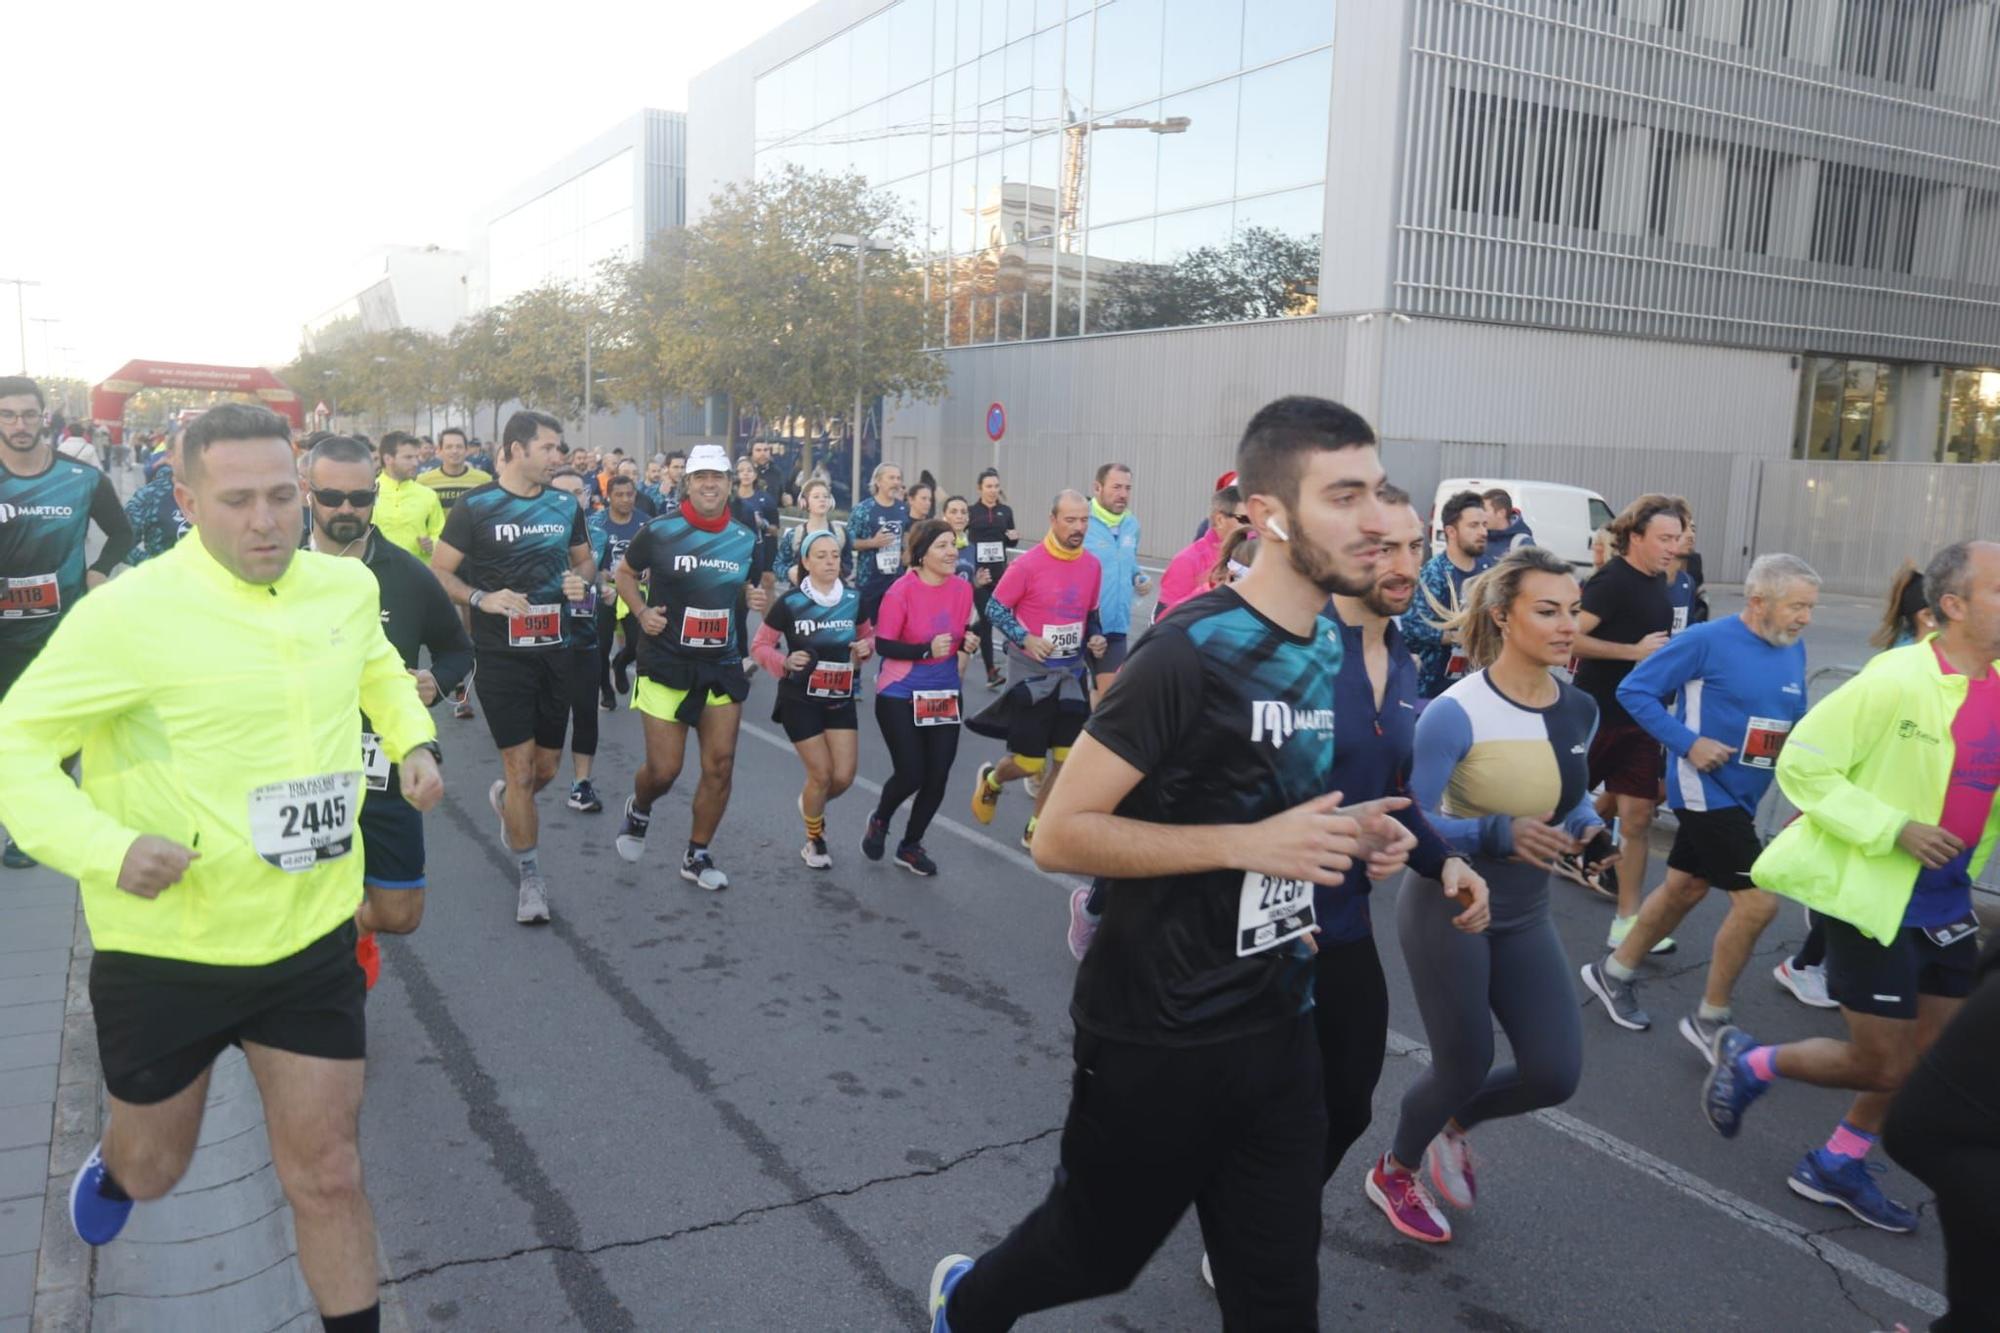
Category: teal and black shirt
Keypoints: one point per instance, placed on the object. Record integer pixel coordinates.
(44, 525)
(1230, 717)
(155, 517)
(698, 578)
(827, 632)
(522, 543)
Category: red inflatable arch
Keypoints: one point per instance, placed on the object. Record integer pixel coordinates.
(107, 400)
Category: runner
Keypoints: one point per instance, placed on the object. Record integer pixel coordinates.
(1914, 738)
(992, 534)
(517, 554)
(154, 515)
(1201, 790)
(1626, 619)
(1737, 687)
(1684, 579)
(1499, 768)
(875, 528)
(586, 698)
(47, 504)
(818, 498)
(922, 498)
(213, 838)
(1187, 573)
(612, 531)
(771, 471)
(924, 641)
(453, 476)
(1441, 590)
(958, 514)
(1506, 527)
(823, 648)
(1112, 538)
(698, 563)
(416, 615)
(1046, 609)
(407, 512)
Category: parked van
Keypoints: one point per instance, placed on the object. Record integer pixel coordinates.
(1563, 518)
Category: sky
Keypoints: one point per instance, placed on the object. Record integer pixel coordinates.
(203, 178)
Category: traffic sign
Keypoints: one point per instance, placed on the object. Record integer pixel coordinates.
(996, 422)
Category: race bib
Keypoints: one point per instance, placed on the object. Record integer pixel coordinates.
(1953, 932)
(30, 597)
(374, 763)
(537, 627)
(1763, 737)
(1680, 619)
(1064, 640)
(890, 558)
(831, 680)
(1271, 911)
(297, 824)
(1455, 668)
(989, 553)
(935, 708)
(704, 629)
(585, 607)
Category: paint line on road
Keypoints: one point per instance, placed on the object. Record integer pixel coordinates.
(1733, 1206)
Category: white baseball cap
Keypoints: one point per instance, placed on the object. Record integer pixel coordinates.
(707, 458)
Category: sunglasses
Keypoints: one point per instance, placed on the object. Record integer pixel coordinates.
(352, 499)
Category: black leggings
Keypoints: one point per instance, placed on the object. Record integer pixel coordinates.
(1813, 952)
(923, 757)
(607, 631)
(1351, 1017)
(583, 703)
(983, 626)
(1944, 1129)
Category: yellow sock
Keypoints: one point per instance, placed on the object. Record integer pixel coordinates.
(816, 826)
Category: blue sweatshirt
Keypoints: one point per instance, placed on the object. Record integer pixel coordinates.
(1117, 552)
(1733, 687)
(1371, 758)
(1500, 541)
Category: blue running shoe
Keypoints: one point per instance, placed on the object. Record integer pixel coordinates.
(943, 1278)
(97, 1220)
(1849, 1182)
(1730, 1087)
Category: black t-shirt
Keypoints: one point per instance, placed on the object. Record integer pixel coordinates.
(1628, 606)
(1230, 718)
(520, 542)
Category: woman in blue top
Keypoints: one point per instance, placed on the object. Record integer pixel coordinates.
(817, 500)
(1499, 770)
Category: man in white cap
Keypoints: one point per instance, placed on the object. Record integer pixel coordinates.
(698, 565)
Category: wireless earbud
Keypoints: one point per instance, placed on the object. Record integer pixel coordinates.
(1278, 530)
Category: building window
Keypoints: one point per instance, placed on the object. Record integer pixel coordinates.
(1508, 155)
(1893, 40)
(1970, 429)
(1846, 411)
(1865, 219)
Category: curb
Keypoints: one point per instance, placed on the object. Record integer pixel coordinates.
(64, 1270)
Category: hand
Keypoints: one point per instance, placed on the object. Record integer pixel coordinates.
(1539, 843)
(981, 578)
(1384, 839)
(652, 621)
(573, 587)
(1933, 846)
(759, 599)
(1316, 842)
(154, 864)
(424, 544)
(971, 644)
(1013, 535)
(1708, 755)
(1141, 585)
(1037, 647)
(941, 644)
(863, 649)
(1600, 852)
(93, 579)
(798, 661)
(423, 785)
(427, 686)
(1649, 645)
(1464, 887)
(505, 602)
(1098, 645)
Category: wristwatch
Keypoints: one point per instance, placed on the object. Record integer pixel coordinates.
(472, 600)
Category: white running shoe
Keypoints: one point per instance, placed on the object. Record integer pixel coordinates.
(1207, 1273)
(1807, 984)
(533, 907)
(1451, 1167)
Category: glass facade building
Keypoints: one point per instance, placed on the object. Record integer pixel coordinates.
(563, 234)
(1079, 166)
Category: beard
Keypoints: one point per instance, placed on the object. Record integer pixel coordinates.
(344, 528)
(1316, 563)
(1380, 602)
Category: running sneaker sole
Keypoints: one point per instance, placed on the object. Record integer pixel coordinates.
(938, 1293)
(694, 877)
(629, 848)
(1805, 1191)
(1693, 1034)
(985, 801)
(1589, 974)
(918, 871)
(806, 855)
(586, 807)
(1381, 1201)
(1783, 976)
(75, 1190)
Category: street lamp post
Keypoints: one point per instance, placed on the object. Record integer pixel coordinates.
(861, 245)
(20, 315)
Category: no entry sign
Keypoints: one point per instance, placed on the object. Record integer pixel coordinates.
(996, 422)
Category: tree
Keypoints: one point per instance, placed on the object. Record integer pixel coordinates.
(640, 300)
(541, 350)
(1260, 274)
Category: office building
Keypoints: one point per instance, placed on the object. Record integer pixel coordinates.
(418, 287)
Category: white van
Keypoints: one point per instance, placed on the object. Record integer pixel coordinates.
(1563, 518)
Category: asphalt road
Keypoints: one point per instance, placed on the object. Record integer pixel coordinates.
(776, 1107)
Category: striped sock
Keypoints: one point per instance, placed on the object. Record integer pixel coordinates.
(1762, 1063)
(816, 826)
(1847, 1141)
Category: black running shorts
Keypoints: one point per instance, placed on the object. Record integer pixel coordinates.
(1716, 846)
(1886, 979)
(525, 696)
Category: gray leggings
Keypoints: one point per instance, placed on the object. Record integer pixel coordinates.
(1518, 974)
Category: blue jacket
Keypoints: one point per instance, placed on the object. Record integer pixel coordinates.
(1117, 552)
(1729, 686)
(1442, 583)
(156, 518)
(1372, 749)
(1499, 541)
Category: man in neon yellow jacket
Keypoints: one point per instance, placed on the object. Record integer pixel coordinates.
(407, 511)
(1894, 775)
(215, 694)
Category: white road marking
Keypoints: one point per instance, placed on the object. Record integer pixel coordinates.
(1733, 1206)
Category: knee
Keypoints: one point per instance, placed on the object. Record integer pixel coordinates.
(1755, 907)
(150, 1174)
(1685, 893)
(719, 768)
(398, 912)
(1882, 1071)
(546, 764)
(325, 1179)
(838, 782)
(1634, 818)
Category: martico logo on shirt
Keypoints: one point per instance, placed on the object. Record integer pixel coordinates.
(513, 532)
(10, 512)
(685, 564)
(1277, 721)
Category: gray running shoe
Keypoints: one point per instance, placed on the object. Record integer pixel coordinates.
(1620, 998)
(701, 869)
(533, 909)
(1702, 1032)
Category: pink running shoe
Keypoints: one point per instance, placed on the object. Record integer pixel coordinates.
(1449, 1164)
(1406, 1203)
(1082, 925)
